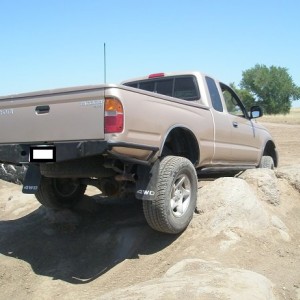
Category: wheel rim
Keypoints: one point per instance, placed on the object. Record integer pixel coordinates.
(180, 195)
(65, 187)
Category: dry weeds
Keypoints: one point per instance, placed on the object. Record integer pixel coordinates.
(293, 118)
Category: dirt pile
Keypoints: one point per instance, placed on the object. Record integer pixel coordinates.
(242, 244)
(221, 207)
(231, 213)
(291, 174)
(12, 173)
(265, 184)
(199, 279)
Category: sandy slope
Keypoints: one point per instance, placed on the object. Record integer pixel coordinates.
(108, 248)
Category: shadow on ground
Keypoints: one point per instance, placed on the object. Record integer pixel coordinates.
(79, 246)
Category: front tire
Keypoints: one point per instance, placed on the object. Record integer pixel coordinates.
(175, 201)
(267, 162)
(59, 193)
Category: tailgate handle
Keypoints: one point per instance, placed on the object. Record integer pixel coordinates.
(43, 109)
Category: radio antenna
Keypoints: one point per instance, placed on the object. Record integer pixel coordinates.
(104, 63)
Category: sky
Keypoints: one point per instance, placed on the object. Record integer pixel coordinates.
(57, 43)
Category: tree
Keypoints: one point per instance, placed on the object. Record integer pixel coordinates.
(272, 88)
(246, 97)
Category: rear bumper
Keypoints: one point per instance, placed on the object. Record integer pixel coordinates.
(19, 153)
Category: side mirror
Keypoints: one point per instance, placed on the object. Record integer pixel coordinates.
(255, 112)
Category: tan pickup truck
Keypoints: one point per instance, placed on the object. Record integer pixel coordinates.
(149, 135)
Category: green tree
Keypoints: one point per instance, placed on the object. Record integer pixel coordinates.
(272, 88)
(246, 96)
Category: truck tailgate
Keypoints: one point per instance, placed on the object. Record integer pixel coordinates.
(59, 115)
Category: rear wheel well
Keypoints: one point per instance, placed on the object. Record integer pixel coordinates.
(181, 142)
(270, 151)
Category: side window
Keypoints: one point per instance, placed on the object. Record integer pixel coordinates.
(165, 87)
(147, 86)
(233, 104)
(214, 94)
(134, 85)
(185, 88)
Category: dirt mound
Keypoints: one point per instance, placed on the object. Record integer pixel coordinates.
(291, 174)
(264, 183)
(229, 204)
(12, 173)
(250, 225)
(199, 279)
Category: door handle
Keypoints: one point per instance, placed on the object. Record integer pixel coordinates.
(43, 109)
(235, 124)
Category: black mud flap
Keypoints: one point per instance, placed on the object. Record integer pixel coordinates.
(32, 180)
(146, 186)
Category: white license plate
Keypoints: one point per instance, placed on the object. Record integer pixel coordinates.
(42, 154)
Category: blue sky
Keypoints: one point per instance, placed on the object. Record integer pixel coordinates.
(57, 43)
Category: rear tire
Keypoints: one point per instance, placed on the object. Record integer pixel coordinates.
(59, 193)
(267, 162)
(173, 208)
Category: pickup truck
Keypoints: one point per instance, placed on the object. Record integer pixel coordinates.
(149, 136)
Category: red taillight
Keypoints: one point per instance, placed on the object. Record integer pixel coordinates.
(113, 116)
(156, 75)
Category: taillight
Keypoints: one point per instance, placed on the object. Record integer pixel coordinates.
(113, 116)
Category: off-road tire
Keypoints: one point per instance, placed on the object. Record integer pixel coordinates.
(59, 193)
(267, 162)
(177, 179)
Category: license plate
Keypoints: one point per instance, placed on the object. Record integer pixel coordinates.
(42, 154)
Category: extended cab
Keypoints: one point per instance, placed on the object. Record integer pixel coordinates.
(150, 135)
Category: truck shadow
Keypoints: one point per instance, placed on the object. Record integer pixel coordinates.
(79, 246)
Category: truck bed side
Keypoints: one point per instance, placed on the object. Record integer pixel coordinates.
(150, 117)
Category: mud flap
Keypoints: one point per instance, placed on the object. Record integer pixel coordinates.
(32, 180)
(146, 186)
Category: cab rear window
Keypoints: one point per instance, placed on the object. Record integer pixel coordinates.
(183, 87)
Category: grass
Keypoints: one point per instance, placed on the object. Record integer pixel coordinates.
(292, 118)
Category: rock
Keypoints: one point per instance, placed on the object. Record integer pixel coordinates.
(230, 203)
(264, 183)
(199, 279)
(11, 173)
(291, 174)
(231, 239)
(281, 227)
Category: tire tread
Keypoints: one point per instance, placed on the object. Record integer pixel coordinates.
(156, 211)
(267, 162)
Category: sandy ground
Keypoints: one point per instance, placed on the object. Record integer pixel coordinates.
(104, 246)
(287, 138)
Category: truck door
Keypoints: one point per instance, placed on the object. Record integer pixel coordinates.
(244, 142)
(222, 129)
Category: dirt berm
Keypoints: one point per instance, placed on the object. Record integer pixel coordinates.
(243, 243)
